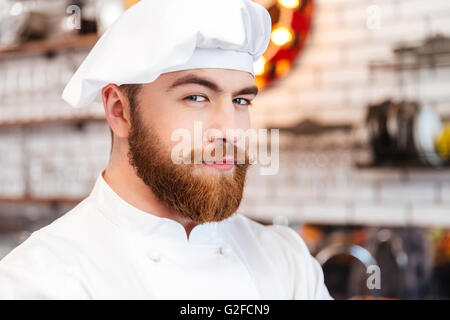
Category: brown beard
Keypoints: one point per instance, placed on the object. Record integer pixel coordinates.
(198, 197)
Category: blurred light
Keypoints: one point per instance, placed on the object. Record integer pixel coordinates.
(443, 142)
(130, 3)
(16, 9)
(281, 35)
(290, 4)
(282, 67)
(259, 66)
(260, 82)
(266, 3)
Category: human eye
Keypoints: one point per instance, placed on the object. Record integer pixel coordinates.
(195, 98)
(244, 102)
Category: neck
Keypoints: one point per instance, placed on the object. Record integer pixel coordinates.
(122, 178)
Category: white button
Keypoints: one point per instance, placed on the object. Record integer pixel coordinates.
(225, 249)
(154, 255)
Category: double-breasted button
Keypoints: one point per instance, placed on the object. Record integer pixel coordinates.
(224, 250)
(154, 255)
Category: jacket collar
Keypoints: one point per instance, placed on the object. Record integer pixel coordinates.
(124, 215)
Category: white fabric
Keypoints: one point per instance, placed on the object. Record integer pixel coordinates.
(216, 57)
(158, 36)
(107, 249)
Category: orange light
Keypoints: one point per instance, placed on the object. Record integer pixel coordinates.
(281, 36)
(282, 67)
(129, 3)
(259, 66)
(260, 82)
(290, 4)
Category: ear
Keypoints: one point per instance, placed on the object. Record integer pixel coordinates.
(117, 110)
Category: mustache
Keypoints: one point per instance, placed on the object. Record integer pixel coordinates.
(225, 153)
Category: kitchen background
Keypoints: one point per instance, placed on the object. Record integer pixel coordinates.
(360, 90)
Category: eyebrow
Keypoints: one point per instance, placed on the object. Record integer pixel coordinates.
(193, 79)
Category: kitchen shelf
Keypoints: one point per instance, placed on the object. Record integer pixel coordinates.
(405, 166)
(45, 122)
(41, 200)
(408, 66)
(35, 47)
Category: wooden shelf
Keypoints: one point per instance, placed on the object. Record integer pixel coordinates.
(426, 63)
(45, 122)
(35, 47)
(39, 200)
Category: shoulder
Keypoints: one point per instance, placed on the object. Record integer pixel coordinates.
(83, 229)
(60, 229)
(279, 236)
(288, 251)
(44, 265)
(281, 244)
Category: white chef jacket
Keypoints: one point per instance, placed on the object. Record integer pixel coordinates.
(105, 248)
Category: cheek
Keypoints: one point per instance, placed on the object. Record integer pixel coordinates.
(166, 120)
(244, 123)
(243, 120)
(175, 129)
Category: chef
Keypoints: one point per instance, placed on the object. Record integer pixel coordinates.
(152, 228)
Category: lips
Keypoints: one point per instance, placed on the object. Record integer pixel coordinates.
(224, 165)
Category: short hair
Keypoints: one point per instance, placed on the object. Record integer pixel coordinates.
(131, 91)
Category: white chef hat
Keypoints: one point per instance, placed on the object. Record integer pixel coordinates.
(158, 36)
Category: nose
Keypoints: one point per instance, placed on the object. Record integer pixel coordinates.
(223, 122)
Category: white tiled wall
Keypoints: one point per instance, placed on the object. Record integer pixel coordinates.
(336, 192)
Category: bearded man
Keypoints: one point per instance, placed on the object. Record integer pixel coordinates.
(153, 228)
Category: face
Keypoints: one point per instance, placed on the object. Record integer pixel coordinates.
(219, 100)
